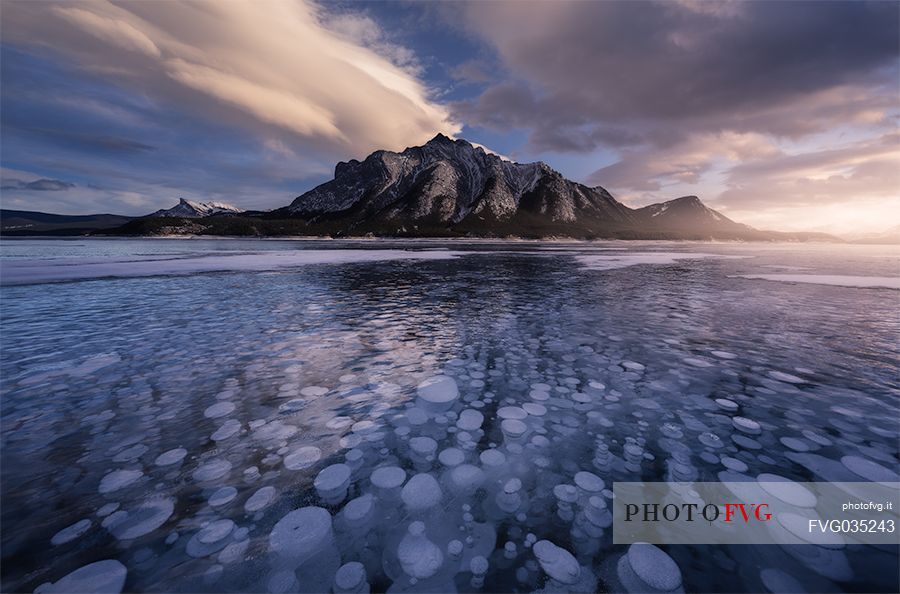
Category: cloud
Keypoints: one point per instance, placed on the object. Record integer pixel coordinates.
(664, 70)
(39, 185)
(471, 71)
(115, 31)
(287, 69)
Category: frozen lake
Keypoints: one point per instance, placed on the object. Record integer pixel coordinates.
(429, 415)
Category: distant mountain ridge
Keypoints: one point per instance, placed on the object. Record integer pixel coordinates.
(27, 222)
(188, 209)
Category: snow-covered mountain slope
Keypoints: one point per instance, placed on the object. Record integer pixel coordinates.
(451, 183)
(195, 210)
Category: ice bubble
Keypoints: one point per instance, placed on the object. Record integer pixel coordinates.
(423, 446)
(534, 409)
(107, 576)
(588, 482)
(222, 496)
(817, 438)
(313, 391)
(419, 557)
(71, 533)
(539, 395)
(228, 428)
(470, 420)
(387, 479)
(451, 457)
(869, 470)
(302, 457)
(746, 442)
(511, 412)
(301, 533)
(219, 409)
(171, 457)
(786, 490)
(654, 566)
(796, 444)
(734, 464)
(746, 425)
(132, 453)
(723, 355)
(710, 440)
(513, 428)
(633, 366)
(212, 470)
(466, 478)
(144, 519)
(259, 500)
(557, 562)
(339, 422)
(332, 482)
(215, 531)
(292, 405)
(350, 578)
(107, 509)
(779, 582)
(438, 393)
(114, 518)
(357, 510)
(785, 377)
(726, 404)
(118, 479)
(493, 459)
(422, 492)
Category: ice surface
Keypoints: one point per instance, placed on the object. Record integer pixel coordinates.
(567, 378)
(883, 282)
(27, 271)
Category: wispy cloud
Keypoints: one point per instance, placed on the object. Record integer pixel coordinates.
(280, 69)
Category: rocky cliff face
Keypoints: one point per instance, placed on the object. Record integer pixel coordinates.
(453, 184)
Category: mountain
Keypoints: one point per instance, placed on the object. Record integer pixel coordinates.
(887, 237)
(188, 209)
(452, 187)
(687, 214)
(26, 222)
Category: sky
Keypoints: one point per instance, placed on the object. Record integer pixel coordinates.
(782, 115)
